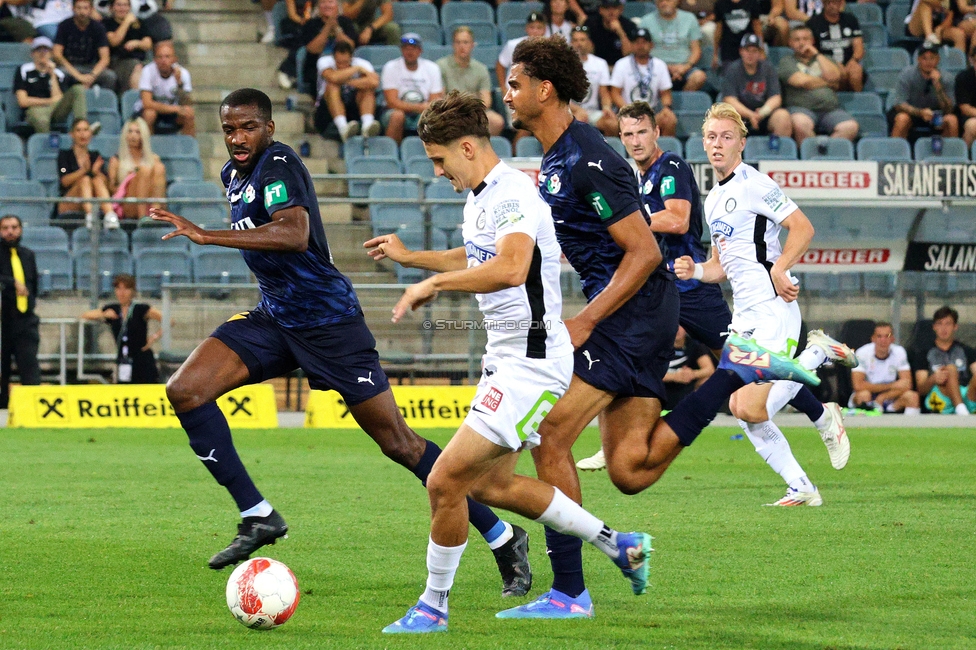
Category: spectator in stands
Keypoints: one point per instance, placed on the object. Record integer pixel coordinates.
(640, 77)
(410, 83)
(535, 25)
(148, 13)
(47, 16)
(135, 361)
(946, 376)
(135, 172)
(128, 43)
(14, 28)
(752, 87)
(964, 19)
(289, 36)
(377, 29)
(798, 12)
(19, 335)
(776, 28)
(883, 377)
(932, 20)
(966, 99)
(733, 20)
(689, 368)
(81, 173)
(81, 49)
(921, 103)
(704, 11)
(37, 85)
(678, 39)
(464, 74)
(809, 79)
(267, 8)
(346, 94)
(610, 34)
(560, 19)
(164, 89)
(320, 35)
(837, 34)
(597, 108)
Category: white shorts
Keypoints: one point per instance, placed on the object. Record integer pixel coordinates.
(514, 396)
(773, 324)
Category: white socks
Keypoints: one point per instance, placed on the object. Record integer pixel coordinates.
(909, 410)
(780, 395)
(771, 444)
(367, 119)
(269, 17)
(812, 358)
(442, 564)
(262, 509)
(502, 539)
(340, 122)
(568, 517)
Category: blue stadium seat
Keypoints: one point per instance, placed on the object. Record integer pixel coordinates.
(183, 169)
(529, 146)
(955, 225)
(116, 239)
(895, 16)
(387, 217)
(874, 35)
(437, 51)
(12, 114)
(7, 71)
(412, 147)
(833, 149)
(430, 33)
(420, 167)
(414, 12)
(866, 12)
(30, 213)
(872, 125)
(106, 144)
(40, 236)
(128, 101)
(511, 29)
(617, 146)
(776, 53)
(487, 53)
(213, 215)
(221, 265)
(695, 150)
(373, 165)
(153, 266)
(102, 99)
(111, 262)
(177, 144)
(110, 120)
(886, 149)
(446, 218)
(54, 270)
(502, 146)
(379, 146)
(145, 237)
(413, 238)
(467, 12)
(377, 55)
(668, 143)
(880, 283)
(689, 125)
(695, 102)
(15, 52)
(861, 103)
(953, 150)
(517, 11)
(13, 166)
(757, 148)
(10, 143)
(637, 9)
(484, 31)
(886, 58)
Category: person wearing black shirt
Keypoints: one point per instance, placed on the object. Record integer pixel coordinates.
(733, 19)
(692, 364)
(19, 336)
(611, 36)
(136, 363)
(39, 91)
(320, 35)
(13, 28)
(966, 99)
(128, 43)
(837, 34)
(81, 48)
(81, 172)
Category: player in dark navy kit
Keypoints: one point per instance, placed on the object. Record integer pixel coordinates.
(624, 335)
(309, 317)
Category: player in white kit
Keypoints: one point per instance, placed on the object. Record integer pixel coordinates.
(511, 260)
(745, 212)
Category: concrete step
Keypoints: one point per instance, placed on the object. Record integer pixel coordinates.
(259, 57)
(206, 27)
(212, 6)
(226, 74)
(287, 124)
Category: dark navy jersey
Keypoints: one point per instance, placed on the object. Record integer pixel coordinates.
(297, 289)
(589, 188)
(670, 177)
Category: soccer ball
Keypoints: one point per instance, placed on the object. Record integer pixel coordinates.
(262, 593)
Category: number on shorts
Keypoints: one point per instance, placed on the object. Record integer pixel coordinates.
(530, 423)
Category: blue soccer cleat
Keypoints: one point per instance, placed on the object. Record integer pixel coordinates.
(420, 619)
(634, 559)
(553, 604)
(752, 362)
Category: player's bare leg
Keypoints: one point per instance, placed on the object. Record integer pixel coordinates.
(636, 458)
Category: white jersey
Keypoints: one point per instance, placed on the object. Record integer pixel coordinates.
(598, 74)
(327, 62)
(641, 81)
(744, 213)
(881, 371)
(525, 320)
(415, 86)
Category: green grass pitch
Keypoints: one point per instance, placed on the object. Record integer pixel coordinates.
(105, 537)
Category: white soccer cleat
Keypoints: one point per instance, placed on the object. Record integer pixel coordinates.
(834, 349)
(594, 463)
(835, 436)
(797, 498)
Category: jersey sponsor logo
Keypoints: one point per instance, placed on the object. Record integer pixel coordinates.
(249, 193)
(730, 205)
(530, 423)
(481, 220)
(553, 185)
(275, 193)
(507, 213)
(775, 199)
(600, 205)
(668, 186)
(722, 228)
(676, 164)
(598, 164)
(648, 186)
(492, 399)
(243, 224)
(478, 253)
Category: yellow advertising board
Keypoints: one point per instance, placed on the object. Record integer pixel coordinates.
(130, 405)
(422, 406)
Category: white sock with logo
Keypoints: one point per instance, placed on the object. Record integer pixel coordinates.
(772, 446)
(262, 509)
(442, 564)
(569, 518)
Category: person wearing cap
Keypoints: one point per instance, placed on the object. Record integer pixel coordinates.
(809, 80)
(535, 26)
(640, 77)
(464, 74)
(966, 99)
(81, 49)
(678, 38)
(751, 86)
(410, 83)
(837, 34)
(597, 108)
(919, 96)
(39, 91)
(374, 28)
(611, 36)
(733, 20)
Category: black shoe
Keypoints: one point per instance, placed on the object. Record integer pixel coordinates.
(252, 534)
(513, 564)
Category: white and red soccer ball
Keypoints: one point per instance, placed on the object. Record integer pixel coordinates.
(262, 593)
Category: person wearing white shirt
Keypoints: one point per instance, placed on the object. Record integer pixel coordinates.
(597, 108)
(410, 83)
(883, 377)
(346, 93)
(560, 18)
(640, 77)
(164, 89)
(535, 25)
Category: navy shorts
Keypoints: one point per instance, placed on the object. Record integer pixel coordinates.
(340, 356)
(628, 353)
(705, 315)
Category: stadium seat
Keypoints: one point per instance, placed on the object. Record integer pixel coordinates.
(866, 13)
(419, 167)
(502, 146)
(13, 166)
(695, 150)
(668, 143)
(694, 102)
(373, 166)
(529, 146)
(177, 144)
(40, 236)
(637, 9)
(150, 236)
(183, 169)
(413, 238)
(102, 99)
(446, 217)
(430, 33)
(7, 71)
(30, 213)
(689, 125)
(406, 12)
(10, 143)
(617, 146)
(361, 147)
(111, 262)
(15, 52)
(487, 53)
(953, 150)
(874, 35)
(833, 149)
(884, 149)
(219, 265)
(118, 239)
(387, 217)
(776, 53)
(153, 266)
(106, 144)
(128, 101)
(757, 148)
(213, 215)
(872, 125)
(465, 13)
(886, 58)
(954, 225)
(517, 11)
(484, 32)
(861, 103)
(377, 55)
(12, 114)
(895, 16)
(110, 120)
(54, 270)
(412, 147)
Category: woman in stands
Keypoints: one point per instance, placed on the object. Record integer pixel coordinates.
(933, 21)
(135, 172)
(560, 19)
(81, 174)
(130, 327)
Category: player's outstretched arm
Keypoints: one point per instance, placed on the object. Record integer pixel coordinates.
(287, 232)
(797, 241)
(390, 246)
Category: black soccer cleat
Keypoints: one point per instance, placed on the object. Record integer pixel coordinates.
(513, 563)
(252, 534)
